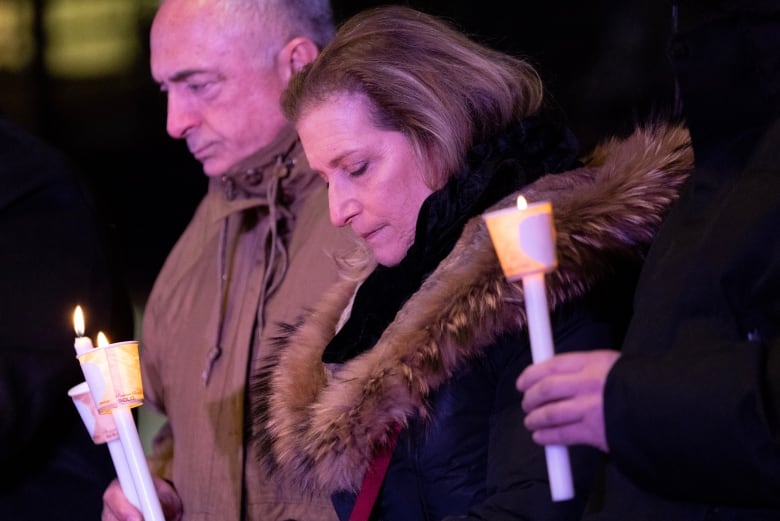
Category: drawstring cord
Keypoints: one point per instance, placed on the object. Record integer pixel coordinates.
(274, 250)
(273, 245)
(216, 348)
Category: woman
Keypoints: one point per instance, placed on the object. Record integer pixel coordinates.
(418, 131)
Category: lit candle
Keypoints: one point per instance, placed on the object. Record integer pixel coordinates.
(524, 240)
(82, 343)
(113, 378)
(102, 339)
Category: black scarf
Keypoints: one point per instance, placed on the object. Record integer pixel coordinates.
(524, 152)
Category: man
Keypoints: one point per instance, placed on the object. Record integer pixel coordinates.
(689, 411)
(254, 255)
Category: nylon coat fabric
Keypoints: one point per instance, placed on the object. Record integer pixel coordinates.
(444, 368)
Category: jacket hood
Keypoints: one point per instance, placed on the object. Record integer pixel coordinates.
(320, 424)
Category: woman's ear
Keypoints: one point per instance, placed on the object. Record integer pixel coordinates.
(294, 55)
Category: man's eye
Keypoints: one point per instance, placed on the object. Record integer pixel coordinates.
(197, 87)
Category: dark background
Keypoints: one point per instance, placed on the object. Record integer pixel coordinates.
(604, 63)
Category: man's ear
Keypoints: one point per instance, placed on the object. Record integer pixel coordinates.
(294, 55)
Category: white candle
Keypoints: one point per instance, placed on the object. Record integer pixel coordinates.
(124, 378)
(524, 240)
(539, 330)
(142, 478)
(102, 429)
(115, 386)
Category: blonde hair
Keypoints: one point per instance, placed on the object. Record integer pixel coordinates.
(422, 78)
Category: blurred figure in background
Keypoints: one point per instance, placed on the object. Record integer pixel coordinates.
(54, 254)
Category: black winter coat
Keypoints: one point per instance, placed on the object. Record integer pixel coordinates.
(465, 457)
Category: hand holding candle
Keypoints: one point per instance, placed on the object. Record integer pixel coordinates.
(103, 430)
(101, 427)
(113, 376)
(524, 240)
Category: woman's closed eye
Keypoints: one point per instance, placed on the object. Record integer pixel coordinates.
(359, 170)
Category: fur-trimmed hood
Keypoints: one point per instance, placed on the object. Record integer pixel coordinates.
(320, 425)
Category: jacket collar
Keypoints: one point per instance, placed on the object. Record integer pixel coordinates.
(249, 184)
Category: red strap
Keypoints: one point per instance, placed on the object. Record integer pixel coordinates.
(372, 481)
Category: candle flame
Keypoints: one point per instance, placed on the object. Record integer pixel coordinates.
(102, 340)
(522, 204)
(78, 321)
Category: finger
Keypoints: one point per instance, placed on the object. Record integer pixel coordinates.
(552, 388)
(530, 375)
(169, 499)
(569, 422)
(570, 435)
(536, 372)
(116, 506)
(555, 414)
(559, 364)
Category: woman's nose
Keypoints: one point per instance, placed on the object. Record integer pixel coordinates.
(343, 206)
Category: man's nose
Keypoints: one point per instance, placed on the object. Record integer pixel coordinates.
(181, 117)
